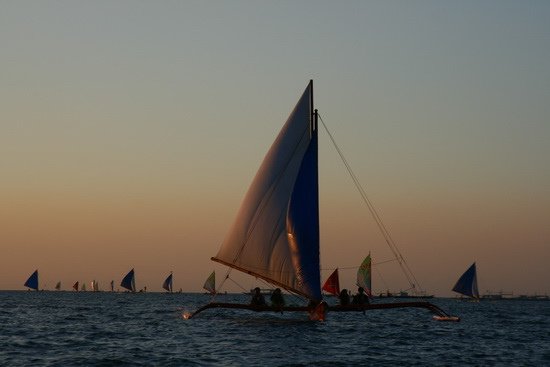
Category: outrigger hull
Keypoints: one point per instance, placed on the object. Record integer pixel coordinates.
(438, 312)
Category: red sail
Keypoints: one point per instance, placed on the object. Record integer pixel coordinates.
(332, 285)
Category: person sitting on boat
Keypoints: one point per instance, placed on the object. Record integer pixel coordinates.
(360, 298)
(344, 297)
(277, 299)
(257, 298)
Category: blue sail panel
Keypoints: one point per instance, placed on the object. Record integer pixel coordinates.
(303, 223)
(467, 283)
(128, 281)
(32, 282)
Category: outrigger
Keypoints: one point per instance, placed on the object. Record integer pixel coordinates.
(318, 311)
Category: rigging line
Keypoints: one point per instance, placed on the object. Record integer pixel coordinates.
(272, 287)
(374, 213)
(385, 233)
(384, 262)
(222, 282)
(357, 267)
(381, 278)
(237, 284)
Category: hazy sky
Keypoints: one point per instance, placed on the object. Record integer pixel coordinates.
(130, 131)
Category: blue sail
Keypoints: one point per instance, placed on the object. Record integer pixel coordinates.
(32, 282)
(129, 282)
(275, 235)
(467, 283)
(168, 283)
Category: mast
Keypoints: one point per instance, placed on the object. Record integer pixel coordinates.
(315, 115)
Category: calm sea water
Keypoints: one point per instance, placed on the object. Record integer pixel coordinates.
(66, 329)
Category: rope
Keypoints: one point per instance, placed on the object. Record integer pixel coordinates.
(357, 267)
(378, 220)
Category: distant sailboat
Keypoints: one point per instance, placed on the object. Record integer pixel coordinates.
(32, 282)
(58, 286)
(75, 286)
(83, 287)
(364, 276)
(112, 285)
(210, 283)
(332, 284)
(467, 283)
(167, 285)
(129, 281)
(275, 235)
(95, 286)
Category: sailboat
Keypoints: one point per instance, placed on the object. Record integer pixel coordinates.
(275, 235)
(467, 283)
(112, 285)
(75, 286)
(58, 286)
(332, 284)
(210, 283)
(168, 283)
(94, 285)
(83, 287)
(32, 282)
(129, 281)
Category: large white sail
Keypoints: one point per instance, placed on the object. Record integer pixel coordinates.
(275, 235)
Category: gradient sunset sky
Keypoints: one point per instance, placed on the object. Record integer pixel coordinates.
(131, 130)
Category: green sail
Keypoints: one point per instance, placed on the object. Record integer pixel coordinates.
(364, 275)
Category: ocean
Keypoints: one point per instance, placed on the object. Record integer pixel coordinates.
(147, 329)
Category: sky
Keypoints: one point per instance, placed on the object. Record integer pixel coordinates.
(131, 130)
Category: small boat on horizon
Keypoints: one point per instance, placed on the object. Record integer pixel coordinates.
(94, 285)
(332, 284)
(467, 283)
(405, 294)
(210, 283)
(32, 281)
(129, 281)
(167, 285)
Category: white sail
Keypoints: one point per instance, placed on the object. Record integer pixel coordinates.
(268, 238)
(210, 283)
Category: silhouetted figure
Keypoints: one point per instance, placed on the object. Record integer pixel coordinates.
(360, 298)
(277, 299)
(257, 298)
(344, 297)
